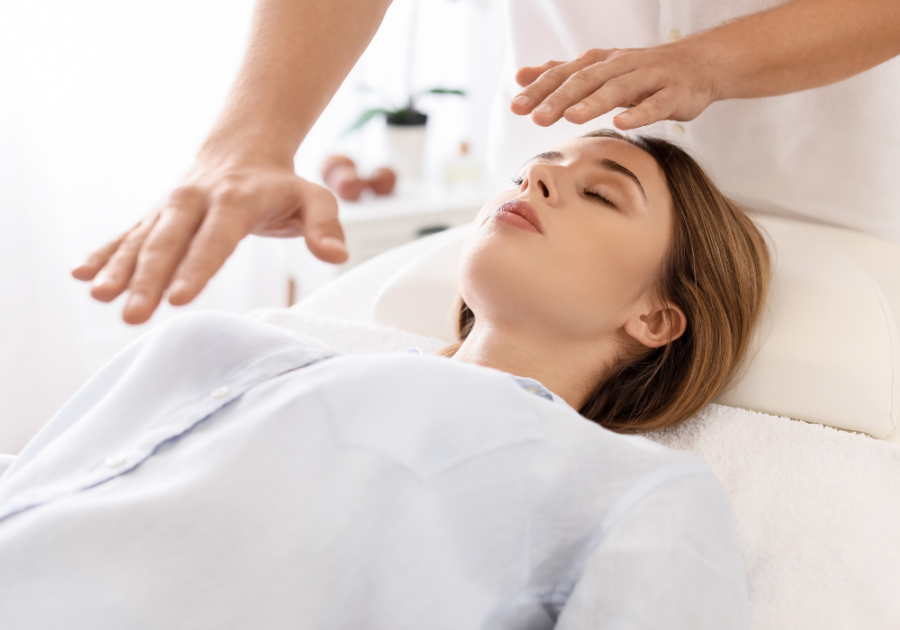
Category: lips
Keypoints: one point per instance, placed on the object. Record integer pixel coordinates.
(519, 214)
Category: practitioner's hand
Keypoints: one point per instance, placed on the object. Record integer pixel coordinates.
(183, 243)
(668, 82)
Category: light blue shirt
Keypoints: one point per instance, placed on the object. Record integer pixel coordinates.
(202, 479)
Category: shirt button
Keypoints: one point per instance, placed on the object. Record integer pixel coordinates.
(114, 461)
(674, 34)
(678, 130)
(218, 392)
(533, 389)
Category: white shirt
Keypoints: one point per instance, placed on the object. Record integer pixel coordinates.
(830, 155)
(224, 473)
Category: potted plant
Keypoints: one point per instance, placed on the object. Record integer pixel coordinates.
(405, 131)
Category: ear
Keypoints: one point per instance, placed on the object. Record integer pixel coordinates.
(657, 325)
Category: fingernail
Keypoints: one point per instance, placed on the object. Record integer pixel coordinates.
(624, 115)
(543, 109)
(177, 287)
(521, 100)
(136, 301)
(577, 107)
(101, 281)
(333, 241)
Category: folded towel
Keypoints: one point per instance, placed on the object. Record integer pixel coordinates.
(817, 509)
(818, 514)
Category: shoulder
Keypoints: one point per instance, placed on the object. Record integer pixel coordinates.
(633, 456)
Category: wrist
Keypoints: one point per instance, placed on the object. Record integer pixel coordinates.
(709, 61)
(714, 60)
(247, 144)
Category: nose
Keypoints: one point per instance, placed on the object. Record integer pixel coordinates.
(539, 179)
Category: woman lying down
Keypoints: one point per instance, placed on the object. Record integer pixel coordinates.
(223, 473)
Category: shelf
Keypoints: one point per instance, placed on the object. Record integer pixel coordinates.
(414, 198)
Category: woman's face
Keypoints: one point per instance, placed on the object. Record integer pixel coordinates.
(576, 247)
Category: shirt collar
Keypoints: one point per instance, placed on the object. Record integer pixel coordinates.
(528, 384)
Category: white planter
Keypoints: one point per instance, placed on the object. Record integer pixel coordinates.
(406, 149)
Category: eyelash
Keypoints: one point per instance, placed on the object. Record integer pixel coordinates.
(590, 193)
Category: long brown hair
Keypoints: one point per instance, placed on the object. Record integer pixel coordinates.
(717, 271)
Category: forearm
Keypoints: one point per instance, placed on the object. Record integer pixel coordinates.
(800, 45)
(300, 52)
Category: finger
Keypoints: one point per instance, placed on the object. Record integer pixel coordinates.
(160, 256)
(620, 91)
(98, 259)
(578, 86)
(526, 75)
(216, 240)
(321, 227)
(652, 109)
(110, 281)
(550, 80)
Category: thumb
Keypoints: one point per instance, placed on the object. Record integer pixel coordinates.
(652, 109)
(321, 227)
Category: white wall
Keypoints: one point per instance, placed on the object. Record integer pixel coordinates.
(103, 105)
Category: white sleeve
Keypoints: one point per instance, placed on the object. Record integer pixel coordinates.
(672, 561)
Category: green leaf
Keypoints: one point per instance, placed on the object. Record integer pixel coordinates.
(365, 117)
(440, 91)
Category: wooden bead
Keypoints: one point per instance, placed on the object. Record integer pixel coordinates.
(339, 174)
(346, 183)
(382, 181)
(333, 161)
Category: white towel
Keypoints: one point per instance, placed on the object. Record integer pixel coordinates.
(818, 509)
(818, 514)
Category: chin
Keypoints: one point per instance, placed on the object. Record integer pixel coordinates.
(500, 275)
(508, 279)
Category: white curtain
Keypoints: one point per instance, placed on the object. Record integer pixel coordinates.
(103, 105)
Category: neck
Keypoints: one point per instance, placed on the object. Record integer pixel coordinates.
(570, 368)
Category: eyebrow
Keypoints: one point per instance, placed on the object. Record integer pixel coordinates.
(618, 168)
(606, 163)
(553, 156)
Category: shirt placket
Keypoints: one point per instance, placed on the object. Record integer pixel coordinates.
(167, 428)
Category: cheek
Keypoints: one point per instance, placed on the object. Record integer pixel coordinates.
(596, 275)
(604, 261)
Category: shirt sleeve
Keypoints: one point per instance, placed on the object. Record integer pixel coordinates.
(671, 561)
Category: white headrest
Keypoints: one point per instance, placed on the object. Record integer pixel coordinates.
(828, 350)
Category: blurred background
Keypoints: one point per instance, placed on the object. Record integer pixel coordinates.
(103, 106)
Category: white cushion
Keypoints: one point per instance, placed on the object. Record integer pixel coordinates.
(828, 350)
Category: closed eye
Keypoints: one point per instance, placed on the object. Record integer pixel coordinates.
(590, 193)
(599, 197)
